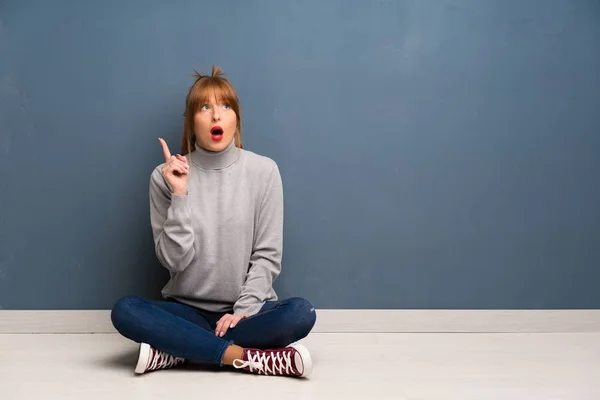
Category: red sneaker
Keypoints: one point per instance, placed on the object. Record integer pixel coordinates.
(293, 360)
(151, 359)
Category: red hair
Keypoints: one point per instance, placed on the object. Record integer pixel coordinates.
(198, 95)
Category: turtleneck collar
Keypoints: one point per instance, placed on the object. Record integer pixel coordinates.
(215, 160)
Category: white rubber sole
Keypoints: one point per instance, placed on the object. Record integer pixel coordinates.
(306, 359)
(142, 363)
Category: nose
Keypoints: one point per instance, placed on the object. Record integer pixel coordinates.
(216, 115)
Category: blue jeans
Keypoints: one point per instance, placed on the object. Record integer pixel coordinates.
(184, 331)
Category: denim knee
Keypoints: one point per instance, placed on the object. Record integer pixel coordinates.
(123, 311)
(304, 316)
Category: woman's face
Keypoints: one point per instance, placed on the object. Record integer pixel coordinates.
(215, 125)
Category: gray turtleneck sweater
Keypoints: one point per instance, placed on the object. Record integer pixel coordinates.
(222, 242)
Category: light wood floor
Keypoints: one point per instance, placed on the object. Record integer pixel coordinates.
(347, 366)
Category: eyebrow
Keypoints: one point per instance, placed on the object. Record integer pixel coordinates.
(222, 102)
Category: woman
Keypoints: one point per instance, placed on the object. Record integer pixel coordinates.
(217, 220)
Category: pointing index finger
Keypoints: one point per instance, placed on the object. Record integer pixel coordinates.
(165, 148)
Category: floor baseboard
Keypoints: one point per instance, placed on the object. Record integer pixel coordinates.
(342, 321)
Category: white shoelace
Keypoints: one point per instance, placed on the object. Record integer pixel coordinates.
(163, 360)
(281, 361)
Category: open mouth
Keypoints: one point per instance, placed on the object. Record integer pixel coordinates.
(217, 133)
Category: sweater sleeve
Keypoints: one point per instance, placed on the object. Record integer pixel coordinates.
(172, 229)
(267, 249)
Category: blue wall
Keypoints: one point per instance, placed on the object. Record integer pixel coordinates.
(435, 154)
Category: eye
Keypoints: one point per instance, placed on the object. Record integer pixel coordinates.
(226, 106)
(205, 107)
